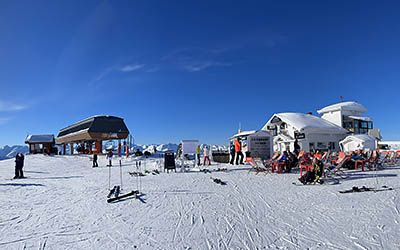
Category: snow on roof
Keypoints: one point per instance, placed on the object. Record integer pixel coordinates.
(352, 106)
(251, 133)
(361, 118)
(244, 133)
(39, 139)
(360, 137)
(307, 123)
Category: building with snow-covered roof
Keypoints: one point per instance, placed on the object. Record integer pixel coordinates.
(312, 132)
(358, 142)
(39, 144)
(349, 115)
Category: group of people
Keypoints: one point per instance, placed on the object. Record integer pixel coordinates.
(206, 155)
(109, 157)
(235, 150)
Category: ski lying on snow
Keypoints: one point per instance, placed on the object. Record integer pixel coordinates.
(135, 192)
(365, 189)
(218, 181)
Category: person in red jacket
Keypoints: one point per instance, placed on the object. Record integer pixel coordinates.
(238, 151)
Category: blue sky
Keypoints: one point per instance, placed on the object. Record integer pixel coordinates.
(193, 69)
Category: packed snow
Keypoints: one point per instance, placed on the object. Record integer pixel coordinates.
(62, 205)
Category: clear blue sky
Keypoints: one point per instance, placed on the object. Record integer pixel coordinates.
(193, 69)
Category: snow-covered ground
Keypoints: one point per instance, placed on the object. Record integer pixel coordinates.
(62, 205)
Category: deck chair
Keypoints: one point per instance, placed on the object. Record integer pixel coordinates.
(373, 161)
(304, 162)
(258, 166)
(335, 167)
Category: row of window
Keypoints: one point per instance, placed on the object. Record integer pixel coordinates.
(322, 145)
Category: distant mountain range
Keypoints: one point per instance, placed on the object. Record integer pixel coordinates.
(8, 152)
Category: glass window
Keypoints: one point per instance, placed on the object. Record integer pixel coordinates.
(370, 125)
(321, 145)
(364, 124)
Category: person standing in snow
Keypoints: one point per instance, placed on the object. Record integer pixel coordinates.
(109, 156)
(232, 152)
(296, 147)
(206, 154)
(19, 164)
(238, 151)
(198, 151)
(95, 164)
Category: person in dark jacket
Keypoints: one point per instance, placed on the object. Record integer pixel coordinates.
(232, 152)
(109, 157)
(19, 164)
(95, 164)
(296, 147)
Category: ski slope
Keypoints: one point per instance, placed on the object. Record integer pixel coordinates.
(62, 205)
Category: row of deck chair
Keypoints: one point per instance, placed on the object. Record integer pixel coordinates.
(391, 158)
(333, 163)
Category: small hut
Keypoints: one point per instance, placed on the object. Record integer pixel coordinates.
(40, 144)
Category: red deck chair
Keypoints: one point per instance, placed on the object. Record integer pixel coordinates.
(304, 162)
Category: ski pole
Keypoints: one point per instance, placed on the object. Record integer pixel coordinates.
(140, 178)
(120, 171)
(109, 178)
(137, 176)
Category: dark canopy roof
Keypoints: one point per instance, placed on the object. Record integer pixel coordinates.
(94, 128)
(39, 139)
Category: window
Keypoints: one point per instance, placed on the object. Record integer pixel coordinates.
(370, 125)
(312, 147)
(332, 145)
(321, 145)
(364, 124)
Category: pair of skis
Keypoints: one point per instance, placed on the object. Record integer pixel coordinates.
(356, 189)
(121, 197)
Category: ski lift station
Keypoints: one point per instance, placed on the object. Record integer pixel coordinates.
(320, 133)
(93, 130)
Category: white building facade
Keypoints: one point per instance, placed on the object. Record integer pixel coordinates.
(312, 133)
(348, 115)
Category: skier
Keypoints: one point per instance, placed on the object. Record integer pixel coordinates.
(232, 152)
(109, 156)
(95, 164)
(198, 151)
(238, 151)
(19, 164)
(206, 156)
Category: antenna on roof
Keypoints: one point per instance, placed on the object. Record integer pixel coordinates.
(240, 128)
(341, 98)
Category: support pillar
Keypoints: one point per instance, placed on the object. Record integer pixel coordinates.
(98, 145)
(64, 148)
(119, 149)
(71, 148)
